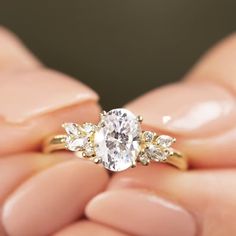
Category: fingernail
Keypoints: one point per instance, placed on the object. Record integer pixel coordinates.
(191, 109)
(37, 103)
(140, 213)
(52, 199)
(13, 54)
(29, 94)
(17, 168)
(89, 228)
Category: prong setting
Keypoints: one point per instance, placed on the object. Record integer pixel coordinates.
(140, 119)
(103, 114)
(143, 159)
(97, 160)
(134, 164)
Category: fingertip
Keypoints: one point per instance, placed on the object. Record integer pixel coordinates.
(43, 100)
(217, 65)
(13, 54)
(199, 111)
(15, 169)
(88, 228)
(150, 217)
(59, 193)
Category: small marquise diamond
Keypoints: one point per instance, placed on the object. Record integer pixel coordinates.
(165, 141)
(74, 143)
(156, 153)
(71, 128)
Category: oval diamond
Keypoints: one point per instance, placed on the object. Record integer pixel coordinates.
(117, 140)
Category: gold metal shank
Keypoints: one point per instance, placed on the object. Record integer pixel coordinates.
(152, 147)
(56, 143)
(178, 160)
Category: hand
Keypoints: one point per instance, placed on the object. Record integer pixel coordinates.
(49, 194)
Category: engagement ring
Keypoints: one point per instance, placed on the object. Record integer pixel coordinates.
(117, 142)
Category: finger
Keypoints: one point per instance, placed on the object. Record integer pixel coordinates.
(218, 65)
(34, 104)
(88, 228)
(16, 169)
(52, 199)
(200, 114)
(13, 54)
(140, 213)
(208, 195)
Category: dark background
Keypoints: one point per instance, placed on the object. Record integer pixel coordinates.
(121, 48)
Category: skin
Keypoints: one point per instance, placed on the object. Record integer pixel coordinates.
(57, 194)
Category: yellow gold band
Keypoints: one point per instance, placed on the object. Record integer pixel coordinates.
(117, 142)
(58, 142)
(54, 143)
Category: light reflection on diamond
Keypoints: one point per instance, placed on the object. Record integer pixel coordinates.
(117, 139)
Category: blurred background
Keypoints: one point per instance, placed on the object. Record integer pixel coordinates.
(121, 48)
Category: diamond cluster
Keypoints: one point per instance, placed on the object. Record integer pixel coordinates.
(117, 141)
(154, 147)
(80, 138)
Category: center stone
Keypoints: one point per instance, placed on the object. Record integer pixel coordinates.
(117, 139)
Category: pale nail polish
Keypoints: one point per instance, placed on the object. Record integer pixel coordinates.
(52, 199)
(140, 213)
(34, 104)
(16, 169)
(89, 228)
(191, 109)
(29, 94)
